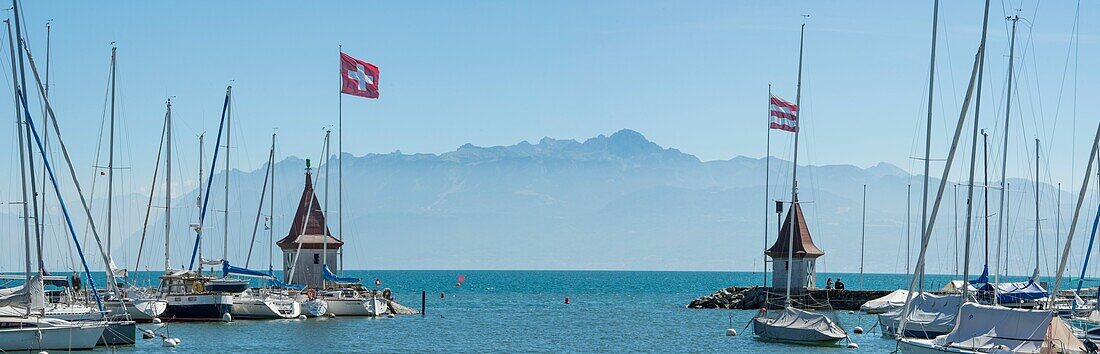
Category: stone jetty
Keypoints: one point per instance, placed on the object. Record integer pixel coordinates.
(752, 298)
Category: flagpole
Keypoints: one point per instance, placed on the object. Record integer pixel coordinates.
(340, 172)
(767, 180)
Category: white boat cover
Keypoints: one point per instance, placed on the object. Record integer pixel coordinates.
(794, 325)
(956, 286)
(13, 300)
(929, 313)
(1020, 331)
(886, 303)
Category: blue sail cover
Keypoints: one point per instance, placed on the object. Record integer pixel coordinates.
(984, 278)
(228, 269)
(1014, 292)
(344, 280)
(275, 283)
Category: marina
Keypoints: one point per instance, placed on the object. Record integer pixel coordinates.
(252, 226)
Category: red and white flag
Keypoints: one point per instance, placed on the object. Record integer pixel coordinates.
(358, 78)
(783, 114)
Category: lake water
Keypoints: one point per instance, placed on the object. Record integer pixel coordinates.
(524, 311)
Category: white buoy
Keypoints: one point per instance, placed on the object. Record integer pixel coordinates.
(43, 352)
(853, 345)
(227, 317)
(146, 334)
(330, 315)
(731, 332)
(858, 330)
(169, 343)
(390, 315)
(177, 341)
(156, 320)
(301, 317)
(850, 312)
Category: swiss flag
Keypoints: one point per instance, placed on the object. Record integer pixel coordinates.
(357, 77)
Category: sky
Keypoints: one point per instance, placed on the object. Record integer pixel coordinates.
(689, 75)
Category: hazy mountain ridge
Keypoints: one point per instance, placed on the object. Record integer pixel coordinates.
(610, 202)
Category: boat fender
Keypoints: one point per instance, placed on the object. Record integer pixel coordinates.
(226, 317)
(169, 343)
(156, 320)
(311, 294)
(301, 317)
(198, 287)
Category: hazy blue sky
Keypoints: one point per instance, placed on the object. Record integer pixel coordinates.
(691, 75)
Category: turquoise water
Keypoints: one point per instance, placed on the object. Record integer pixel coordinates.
(524, 311)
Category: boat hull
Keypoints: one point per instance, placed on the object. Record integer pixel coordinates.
(370, 306)
(119, 333)
(315, 308)
(140, 310)
(203, 307)
(926, 346)
(255, 308)
(76, 336)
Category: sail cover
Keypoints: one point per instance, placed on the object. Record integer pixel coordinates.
(13, 300)
(1019, 331)
(930, 315)
(343, 280)
(890, 302)
(228, 269)
(275, 283)
(794, 325)
(1013, 292)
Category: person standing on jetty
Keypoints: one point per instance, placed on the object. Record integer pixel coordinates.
(829, 284)
(839, 284)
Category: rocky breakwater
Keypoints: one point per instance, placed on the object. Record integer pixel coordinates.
(752, 298)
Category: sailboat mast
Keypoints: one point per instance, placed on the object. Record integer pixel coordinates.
(168, 189)
(324, 231)
(111, 153)
(862, 236)
(973, 160)
(1008, 115)
(794, 166)
(29, 141)
(271, 209)
(928, 129)
(199, 204)
(225, 212)
(985, 191)
(22, 169)
(1036, 277)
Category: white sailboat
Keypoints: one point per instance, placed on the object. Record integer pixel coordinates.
(984, 328)
(791, 324)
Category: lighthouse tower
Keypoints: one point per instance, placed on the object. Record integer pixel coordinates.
(308, 232)
(803, 262)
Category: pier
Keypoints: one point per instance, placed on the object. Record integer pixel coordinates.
(755, 297)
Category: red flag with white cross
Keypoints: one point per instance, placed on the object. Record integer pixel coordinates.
(358, 78)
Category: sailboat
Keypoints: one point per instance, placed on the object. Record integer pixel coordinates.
(185, 289)
(924, 315)
(985, 328)
(1027, 294)
(135, 304)
(262, 303)
(792, 324)
(23, 325)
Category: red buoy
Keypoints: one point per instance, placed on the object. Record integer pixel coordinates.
(567, 300)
